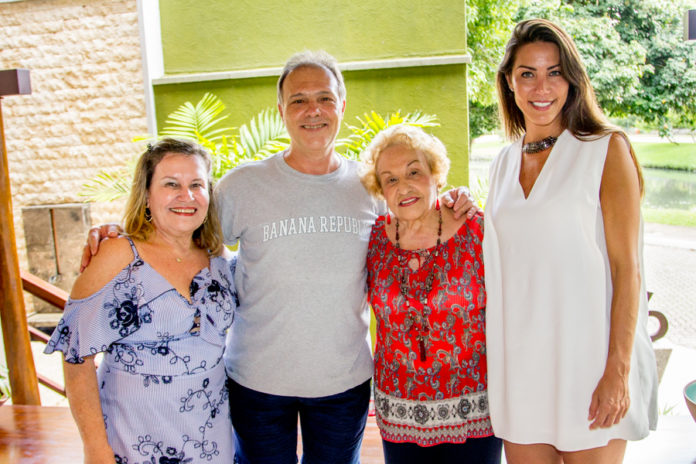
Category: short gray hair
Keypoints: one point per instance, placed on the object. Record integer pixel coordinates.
(317, 59)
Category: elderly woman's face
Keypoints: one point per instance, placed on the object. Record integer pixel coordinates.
(178, 196)
(407, 182)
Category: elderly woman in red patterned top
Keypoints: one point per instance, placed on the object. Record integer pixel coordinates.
(426, 287)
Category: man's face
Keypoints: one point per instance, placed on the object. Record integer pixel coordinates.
(311, 109)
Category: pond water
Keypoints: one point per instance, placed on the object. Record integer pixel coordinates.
(670, 189)
(663, 188)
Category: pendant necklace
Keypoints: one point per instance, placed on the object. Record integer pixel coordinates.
(409, 262)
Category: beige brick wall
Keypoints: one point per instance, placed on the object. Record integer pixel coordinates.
(87, 99)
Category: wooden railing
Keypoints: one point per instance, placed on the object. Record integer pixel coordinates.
(54, 296)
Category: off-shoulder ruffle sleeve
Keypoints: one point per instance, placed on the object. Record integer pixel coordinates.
(90, 325)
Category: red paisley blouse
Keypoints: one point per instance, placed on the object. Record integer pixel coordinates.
(430, 356)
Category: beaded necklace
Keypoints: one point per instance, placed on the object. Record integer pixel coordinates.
(541, 145)
(411, 261)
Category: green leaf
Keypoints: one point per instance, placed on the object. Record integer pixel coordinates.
(109, 185)
(198, 122)
(372, 123)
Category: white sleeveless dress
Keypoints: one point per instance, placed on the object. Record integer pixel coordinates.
(549, 302)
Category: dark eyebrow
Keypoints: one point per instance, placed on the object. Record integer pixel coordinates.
(534, 69)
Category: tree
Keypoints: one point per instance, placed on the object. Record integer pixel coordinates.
(614, 64)
(635, 56)
(489, 24)
(669, 88)
(482, 119)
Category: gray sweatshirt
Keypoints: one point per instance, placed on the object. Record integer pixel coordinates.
(302, 325)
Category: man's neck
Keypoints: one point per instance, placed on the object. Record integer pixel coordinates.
(315, 164)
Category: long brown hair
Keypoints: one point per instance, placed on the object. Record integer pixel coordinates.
(581, 113)
(208, 235)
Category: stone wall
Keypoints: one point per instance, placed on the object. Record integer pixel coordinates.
(87, 100)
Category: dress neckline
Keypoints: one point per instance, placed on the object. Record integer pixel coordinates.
(203, 270)
(444, 243)
(541, 176)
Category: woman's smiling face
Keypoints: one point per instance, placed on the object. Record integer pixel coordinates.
(178, 195)
(539, 87)
(407, 182)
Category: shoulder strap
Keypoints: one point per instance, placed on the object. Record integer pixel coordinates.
(133, 248)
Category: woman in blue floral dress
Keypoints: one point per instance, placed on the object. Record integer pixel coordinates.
(157, 303)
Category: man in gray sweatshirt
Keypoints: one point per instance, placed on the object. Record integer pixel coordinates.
(299, 343)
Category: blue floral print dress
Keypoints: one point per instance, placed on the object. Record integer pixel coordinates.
(161, 381)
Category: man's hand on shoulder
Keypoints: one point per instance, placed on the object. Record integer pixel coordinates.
(94, 237)
(461, 202)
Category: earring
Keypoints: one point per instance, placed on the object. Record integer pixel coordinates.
(388, 218)
(437, 205)
(148, 214)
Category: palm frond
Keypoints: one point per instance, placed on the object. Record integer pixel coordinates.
(372, 123)
(263, 136)
(107, 186)
(199, 121)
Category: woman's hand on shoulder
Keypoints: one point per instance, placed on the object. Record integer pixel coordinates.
(610, 399)
(114, 254)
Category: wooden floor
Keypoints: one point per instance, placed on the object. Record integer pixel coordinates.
(38, 435)
(371, 452)
(43, 434)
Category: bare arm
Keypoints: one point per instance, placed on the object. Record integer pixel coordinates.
(83, 394)
(620, 200)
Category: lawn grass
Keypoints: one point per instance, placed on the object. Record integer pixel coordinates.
(674, 217)
(666, 155)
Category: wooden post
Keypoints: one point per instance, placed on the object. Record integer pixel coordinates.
(13, 316)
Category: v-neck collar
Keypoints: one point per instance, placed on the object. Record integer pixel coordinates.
(544, 168)
(166, 285)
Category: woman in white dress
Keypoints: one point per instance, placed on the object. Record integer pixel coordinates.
(571, 369)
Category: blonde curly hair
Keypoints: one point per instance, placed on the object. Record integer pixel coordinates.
(411, 137)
